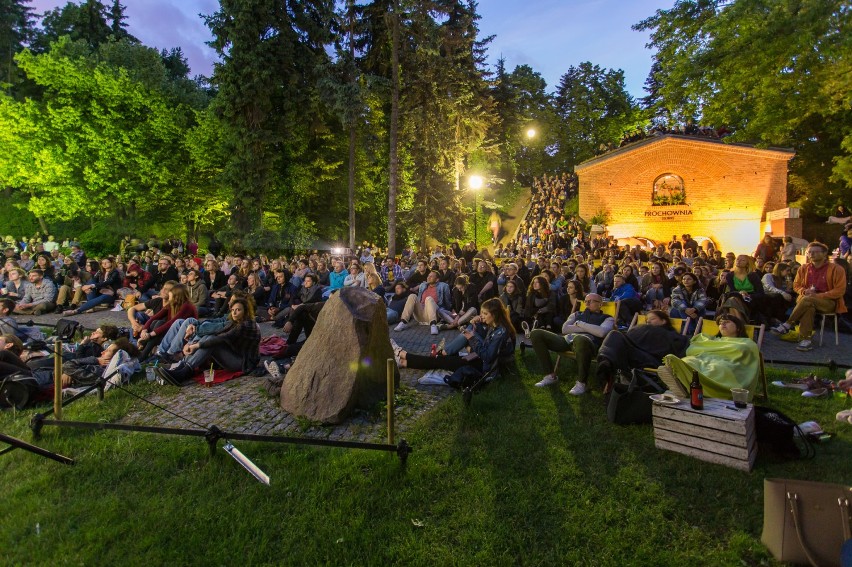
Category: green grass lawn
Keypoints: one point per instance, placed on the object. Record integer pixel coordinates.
(523, 476)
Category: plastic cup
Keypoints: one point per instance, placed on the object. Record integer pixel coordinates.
(740, 397)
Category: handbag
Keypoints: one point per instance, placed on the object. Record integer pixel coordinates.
(806, 522)
(629, 403)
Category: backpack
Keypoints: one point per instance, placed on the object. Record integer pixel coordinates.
(18, 390)
(776, 434)
(272, 346)
(66, 330)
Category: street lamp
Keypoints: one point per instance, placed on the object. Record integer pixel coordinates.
(531, 133)
(475, 183)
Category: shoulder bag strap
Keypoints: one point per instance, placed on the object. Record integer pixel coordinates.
(793, 500)
(845, 514)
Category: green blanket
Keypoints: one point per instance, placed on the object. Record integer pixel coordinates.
(722, 363)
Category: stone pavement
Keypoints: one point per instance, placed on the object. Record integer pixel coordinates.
(241, 405)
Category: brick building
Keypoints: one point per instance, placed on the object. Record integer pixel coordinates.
(672, 184)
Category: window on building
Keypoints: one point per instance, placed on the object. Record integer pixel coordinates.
(668, 190)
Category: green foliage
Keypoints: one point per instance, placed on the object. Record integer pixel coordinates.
(776, 73)
(595, 111)
(602, 217)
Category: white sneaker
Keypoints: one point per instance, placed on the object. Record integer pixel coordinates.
(781, 329)
(526, 327)
(434, 330)
(805, 345)
(118, 307)
(272, 369)
(400, 326)
(578, 390)
(548, 380)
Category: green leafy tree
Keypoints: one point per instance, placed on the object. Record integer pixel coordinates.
(102, 142)
(265, 85)
(595, 111)
(775, 73)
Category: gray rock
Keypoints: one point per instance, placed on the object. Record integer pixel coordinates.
(342, 365)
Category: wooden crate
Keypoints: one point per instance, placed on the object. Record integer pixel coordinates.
(717, 434)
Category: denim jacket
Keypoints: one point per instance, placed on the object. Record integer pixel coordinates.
(496, 342)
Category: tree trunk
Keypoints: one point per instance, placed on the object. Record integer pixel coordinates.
(352, 136)
(393, 134)
(43, 224)
(352, 139)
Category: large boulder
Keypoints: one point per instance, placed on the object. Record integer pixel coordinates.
(343, 363)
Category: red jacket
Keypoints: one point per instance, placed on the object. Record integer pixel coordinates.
(186, 311)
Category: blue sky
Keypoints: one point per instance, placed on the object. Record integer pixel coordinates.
(547, 35)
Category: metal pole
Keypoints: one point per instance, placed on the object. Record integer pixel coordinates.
(475, 223)
(57, 378)
(391, 365)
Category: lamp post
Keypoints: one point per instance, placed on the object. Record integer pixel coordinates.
(475, 183)
(531, 133)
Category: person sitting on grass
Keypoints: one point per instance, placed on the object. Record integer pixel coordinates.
(102, 288)
(432, 296)
(176, 307)
(87, 371)
(235, 348)
(40, 296)
(139, 314)
(820, 286)
(582, 333)
(465, 303)
(491, 338)
(730, 360)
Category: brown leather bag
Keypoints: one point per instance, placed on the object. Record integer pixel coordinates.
(806, 522)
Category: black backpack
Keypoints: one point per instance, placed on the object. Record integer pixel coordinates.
(776, 434)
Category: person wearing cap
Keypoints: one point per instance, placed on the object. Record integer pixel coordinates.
(582, 333)
(820, 286)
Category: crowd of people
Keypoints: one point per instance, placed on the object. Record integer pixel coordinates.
(189, 310)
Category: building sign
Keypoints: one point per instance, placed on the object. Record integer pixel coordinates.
(668, 214)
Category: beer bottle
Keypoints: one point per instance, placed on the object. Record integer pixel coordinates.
(696, 392)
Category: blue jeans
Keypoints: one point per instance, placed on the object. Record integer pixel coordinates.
(95, 298)
(393, 316)
(654, 295)
(690, 323)
(172, 342)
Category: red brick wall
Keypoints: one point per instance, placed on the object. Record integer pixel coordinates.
(728, 190)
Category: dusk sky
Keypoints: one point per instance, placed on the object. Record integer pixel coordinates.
(547, 35)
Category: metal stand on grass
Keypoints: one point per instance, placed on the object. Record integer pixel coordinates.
(213, 434)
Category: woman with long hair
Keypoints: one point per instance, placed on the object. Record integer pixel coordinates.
(540, 304)
(569, 303)
(778, 297)
(490, 337)
(178, 305)
(465, 304)
(515, 302)
(688, 301)
(234, 348)
(744, 291)
(655, 286)
(254, 287)
(101, 289)
(583, 275)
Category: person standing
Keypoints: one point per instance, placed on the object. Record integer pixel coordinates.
(820, 286)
